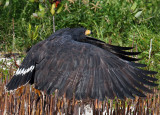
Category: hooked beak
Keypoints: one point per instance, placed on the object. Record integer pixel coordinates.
(87, 32)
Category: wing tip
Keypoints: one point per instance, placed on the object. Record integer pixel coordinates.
(9, 89)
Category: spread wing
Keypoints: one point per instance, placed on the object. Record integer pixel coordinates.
(26, 71)
(86, 69)
(89, 71)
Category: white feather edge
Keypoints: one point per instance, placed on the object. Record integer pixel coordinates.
(24, 71)
(6, 90)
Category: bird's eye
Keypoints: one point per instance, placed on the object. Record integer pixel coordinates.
(87, 32)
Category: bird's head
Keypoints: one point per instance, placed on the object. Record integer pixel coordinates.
(79, 33)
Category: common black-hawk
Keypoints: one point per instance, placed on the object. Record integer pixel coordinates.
(79, 65)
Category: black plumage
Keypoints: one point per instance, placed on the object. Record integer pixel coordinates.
(82, 66)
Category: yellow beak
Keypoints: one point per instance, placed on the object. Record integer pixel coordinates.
(87, 32)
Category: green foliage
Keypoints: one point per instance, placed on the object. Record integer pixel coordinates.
(123, 23)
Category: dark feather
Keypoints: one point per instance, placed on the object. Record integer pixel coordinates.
(137, 64)
(129, 83)
(147, 72)
(83, 67)
(127, 58)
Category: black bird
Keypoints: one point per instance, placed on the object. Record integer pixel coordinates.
(81, 66)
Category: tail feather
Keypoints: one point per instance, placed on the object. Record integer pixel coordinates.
(21, 77)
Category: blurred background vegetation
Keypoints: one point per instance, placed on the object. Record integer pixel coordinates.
(120, 22)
